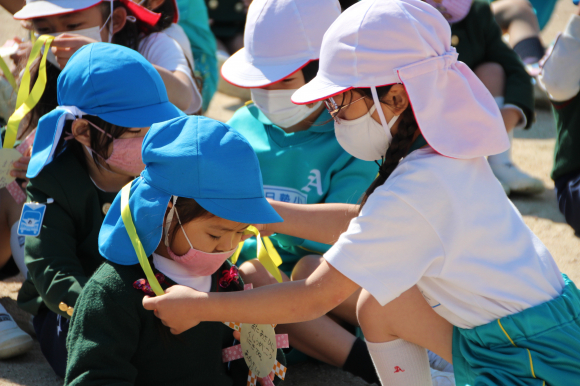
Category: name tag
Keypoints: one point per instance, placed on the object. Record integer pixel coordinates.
(31, 219)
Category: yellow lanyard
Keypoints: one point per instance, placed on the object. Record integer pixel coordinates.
(7, 74)
(27, 99)
(267, 255)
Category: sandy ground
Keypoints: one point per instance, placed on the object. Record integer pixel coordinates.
(532, 152)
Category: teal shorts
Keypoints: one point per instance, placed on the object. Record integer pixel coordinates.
(538, 346)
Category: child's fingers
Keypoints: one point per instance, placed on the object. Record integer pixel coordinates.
(237, 335)
(24, 184)
(149, 303)
(18, 173)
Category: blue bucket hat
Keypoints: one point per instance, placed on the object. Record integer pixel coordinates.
(112, 82)
(194, 157)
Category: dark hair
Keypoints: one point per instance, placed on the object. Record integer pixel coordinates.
(309, 71)
(128, 36)
(100, 142)
(189, 210)
(400, 144)
(167, 12)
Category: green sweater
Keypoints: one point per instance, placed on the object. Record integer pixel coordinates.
(567, 150)
(113, 340)
(65, 254)
(478, 40)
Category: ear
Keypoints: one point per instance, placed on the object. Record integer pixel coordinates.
(80, 130)
(154, 4)
(119, 19)
(398, 94)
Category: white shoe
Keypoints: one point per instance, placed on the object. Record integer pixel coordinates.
(441, 378)
(516, 180)
(13, 341)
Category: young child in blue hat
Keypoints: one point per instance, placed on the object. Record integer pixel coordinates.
(189, 220)
(84, 152)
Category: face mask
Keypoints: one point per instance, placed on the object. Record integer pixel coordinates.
(364, 138)
(197, 263)
(91, 33)
(278, 107)
(126, 155)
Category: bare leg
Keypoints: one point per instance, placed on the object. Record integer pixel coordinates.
(408, 317)
(346, 311)
(492, 76)
(322, 338)
(516, 17)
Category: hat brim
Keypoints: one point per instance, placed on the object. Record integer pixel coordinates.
(148, 205)
(316, 90)
(238, 71)
(143, 116)
(243, 210)
(47, 8)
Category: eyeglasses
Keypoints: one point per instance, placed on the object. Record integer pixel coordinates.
(334, 109)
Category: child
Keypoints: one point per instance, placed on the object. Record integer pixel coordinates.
(103, 20)
(561, 79)
(300, 156)
(446, 261)
(84, 152)
(190, 220)
(478, 41)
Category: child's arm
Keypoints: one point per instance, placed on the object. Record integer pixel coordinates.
(182, 308)
(322, 223)
(179, 87)
(560, 76)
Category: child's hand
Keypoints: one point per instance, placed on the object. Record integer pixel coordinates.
(20, 168)
(176, 308)
(65, 45)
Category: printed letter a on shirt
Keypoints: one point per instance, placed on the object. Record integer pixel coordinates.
(314, 181)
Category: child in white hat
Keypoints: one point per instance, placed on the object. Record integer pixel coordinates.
(300, 157)
(445, 260)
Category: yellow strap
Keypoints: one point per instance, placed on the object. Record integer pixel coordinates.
(132, 232)
(26, 99)
(7, 74)
(266, 253)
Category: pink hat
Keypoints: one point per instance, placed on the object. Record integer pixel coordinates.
(381, 42)
(453, 10)
(281, 37)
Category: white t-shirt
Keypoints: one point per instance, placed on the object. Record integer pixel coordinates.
(163, 51)
(175, 272)
(447, 226)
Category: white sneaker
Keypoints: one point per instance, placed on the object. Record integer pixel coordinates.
(13, 341)
(441, 378)
(516, 180)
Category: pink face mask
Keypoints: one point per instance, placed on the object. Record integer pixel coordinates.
(126, 153)
(197, 263)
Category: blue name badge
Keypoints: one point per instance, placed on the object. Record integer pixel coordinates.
(31, 219)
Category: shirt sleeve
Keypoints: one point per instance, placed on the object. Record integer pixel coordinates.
(387, 248)
(519, 90)
(103, 338)
(560, 76)
(51, 258)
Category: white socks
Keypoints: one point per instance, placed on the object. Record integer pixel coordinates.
(400, 363)
(17, 247)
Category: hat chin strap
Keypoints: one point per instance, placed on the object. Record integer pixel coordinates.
(377, 102)
(169, 220)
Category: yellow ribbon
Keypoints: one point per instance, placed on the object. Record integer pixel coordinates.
(267, 254)
(132, 232)
(27, 99)
(7, 74)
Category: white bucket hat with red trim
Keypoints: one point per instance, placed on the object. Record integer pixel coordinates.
(381, 42)
(44, 8)
(281, 37)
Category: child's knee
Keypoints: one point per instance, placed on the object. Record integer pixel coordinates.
(306, 266)
(253, 272)
(492, 75)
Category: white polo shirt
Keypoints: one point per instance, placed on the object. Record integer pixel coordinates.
(447, 226)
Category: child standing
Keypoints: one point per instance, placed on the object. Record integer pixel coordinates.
(300, 156)
(189, 220)
(446, 261)
(561, 79)
(84, 152)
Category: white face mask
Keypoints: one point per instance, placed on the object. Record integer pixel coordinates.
(278, 107)
(363, 137)
(91, 33)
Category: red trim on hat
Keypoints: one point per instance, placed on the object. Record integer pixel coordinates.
(143, 14)
(59, 14)
(269, 84)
